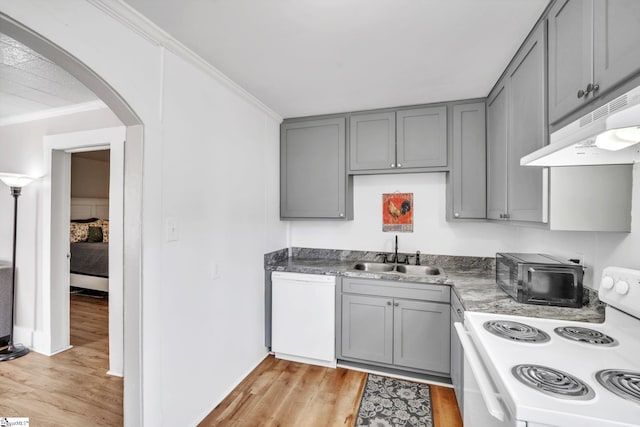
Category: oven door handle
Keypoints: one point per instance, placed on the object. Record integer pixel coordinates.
(484, 383)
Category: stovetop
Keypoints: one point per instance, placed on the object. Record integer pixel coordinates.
(569, 364)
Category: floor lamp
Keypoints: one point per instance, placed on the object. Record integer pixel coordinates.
(15, 182)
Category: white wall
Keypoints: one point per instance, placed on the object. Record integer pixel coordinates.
(210, 164)
(214, 189)
(89, 178)
(434, 235)
(22, 151)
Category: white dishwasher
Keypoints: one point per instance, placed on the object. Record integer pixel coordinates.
(303, 315)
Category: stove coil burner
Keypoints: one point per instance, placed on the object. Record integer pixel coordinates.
(516, 331)
(553, 382)
(585, 335)
(625, 384)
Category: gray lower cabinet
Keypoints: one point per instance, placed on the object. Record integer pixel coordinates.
(457, 353)
(517, 125)
(409, 140)
(367, 328)
(313, 178)
(389, 323)
(467, 178)
(593, 48)
(421, 335)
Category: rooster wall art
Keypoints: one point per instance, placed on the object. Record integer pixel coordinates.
(397, 212)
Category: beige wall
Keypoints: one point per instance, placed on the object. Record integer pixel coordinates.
(89, 177)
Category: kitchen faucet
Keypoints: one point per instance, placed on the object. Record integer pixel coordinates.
(396, 251)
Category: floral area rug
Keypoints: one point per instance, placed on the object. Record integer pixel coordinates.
(389, 402)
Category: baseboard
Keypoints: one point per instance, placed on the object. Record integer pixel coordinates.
(307, 360)
(392, 373)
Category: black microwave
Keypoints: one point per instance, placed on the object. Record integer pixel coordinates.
(540, 279)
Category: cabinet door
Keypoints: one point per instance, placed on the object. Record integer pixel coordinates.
(373, 141)
(497, 131)
(313, 169)
(570, 55)
(616, 41)
(469, 167)
(421, 138)
(367, 328)
(421, 335)
(527, 130)
(457, 353)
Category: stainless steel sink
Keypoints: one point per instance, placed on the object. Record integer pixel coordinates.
(380, 267)
(377, 267)
(418, 269)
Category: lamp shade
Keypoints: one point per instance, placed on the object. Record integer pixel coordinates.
(15, 180)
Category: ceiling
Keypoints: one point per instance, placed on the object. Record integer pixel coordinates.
(312, 57)
(30, 83)
(326, 56)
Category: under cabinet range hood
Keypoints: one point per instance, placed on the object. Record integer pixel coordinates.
(606, 136)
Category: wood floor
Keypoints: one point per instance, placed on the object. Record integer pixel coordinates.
(71, 388)
(288, 394)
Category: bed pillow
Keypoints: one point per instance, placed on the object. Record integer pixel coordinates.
(105, 230)
(78, 232)
(94, 234)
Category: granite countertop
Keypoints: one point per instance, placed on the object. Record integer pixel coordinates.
(471, 278)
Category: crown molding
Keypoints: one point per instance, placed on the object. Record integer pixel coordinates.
(53, 112)
(145, 28)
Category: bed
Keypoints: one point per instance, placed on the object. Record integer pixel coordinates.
(89, 244)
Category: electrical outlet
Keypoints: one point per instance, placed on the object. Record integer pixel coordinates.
(171, 229)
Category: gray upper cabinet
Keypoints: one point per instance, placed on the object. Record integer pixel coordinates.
(528, 129)
(468, 168)
(570, 54)
(373, 141)
(517, 125)
(421, 138)
(398, 141)
(616, 41)
(593, 47)
(313, 178)
(497, 137)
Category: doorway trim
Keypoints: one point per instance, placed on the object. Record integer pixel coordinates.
(55, 217)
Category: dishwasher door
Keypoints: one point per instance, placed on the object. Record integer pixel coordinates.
(303, 318)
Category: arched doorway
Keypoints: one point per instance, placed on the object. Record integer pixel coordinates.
(132, 208)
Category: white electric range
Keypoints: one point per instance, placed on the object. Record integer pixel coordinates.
(530, 372)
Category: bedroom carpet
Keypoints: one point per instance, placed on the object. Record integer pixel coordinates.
(390, 402)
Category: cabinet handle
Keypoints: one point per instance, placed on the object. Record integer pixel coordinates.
(459, 311)
(396, 304)
(341, 214)
(393, 165)
(501, 216)
(591, 87)
(507, 216)
(399, 165)
(456, 214)
(388, 302)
